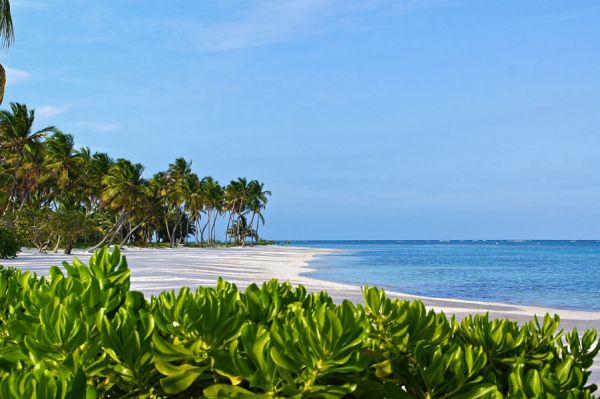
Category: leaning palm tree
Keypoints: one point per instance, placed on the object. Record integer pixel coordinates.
(122, 188)
(6, 37)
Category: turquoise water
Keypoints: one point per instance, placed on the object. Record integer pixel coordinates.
(559, 274)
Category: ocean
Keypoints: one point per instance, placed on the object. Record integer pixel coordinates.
(557, 274)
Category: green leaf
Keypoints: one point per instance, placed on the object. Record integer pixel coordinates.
(281, 361)
(180, 382)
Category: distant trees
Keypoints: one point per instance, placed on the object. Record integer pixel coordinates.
(54, 195)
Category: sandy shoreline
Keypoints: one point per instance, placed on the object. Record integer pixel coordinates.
(156, 270)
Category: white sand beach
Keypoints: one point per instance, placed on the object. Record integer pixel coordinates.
(156, 270)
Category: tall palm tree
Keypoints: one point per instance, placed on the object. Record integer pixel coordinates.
(17, 137)
(257, 200)
(191, 191)
(213, 195)
(174, 196)
(6, 37)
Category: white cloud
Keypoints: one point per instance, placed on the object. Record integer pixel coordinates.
(97, 126)
(14, 75)
(49, 110)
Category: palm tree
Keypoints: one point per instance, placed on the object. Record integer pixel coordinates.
(74, 195)
(241, 228)
(6, 37)
(257, 200)
(61, 160)
(213, 203)
(33, 179)
(122, 188)
(17, 138)
(236, 195)
(191, 191)
(156, 210)
(5, 182)
(174, 196)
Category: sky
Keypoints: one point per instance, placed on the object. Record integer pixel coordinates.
(372, 119)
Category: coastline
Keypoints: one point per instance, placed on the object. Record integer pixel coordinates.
(155, 270)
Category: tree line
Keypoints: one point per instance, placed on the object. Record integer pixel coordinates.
(53, 195)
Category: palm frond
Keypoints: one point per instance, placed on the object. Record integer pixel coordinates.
(7, 34)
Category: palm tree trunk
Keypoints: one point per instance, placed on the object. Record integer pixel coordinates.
(228, 224)
(239, 218)
(173, 236)
(214, 228)
(208, 217)
(131, 232)
(116, 227)
(167, 227)
(251, 224)
(57, 244)
(2, 82)
(187, 229)
(13, 187)
(238, 236)
(257, 236)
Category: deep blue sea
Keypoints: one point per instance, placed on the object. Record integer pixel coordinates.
(559, 274)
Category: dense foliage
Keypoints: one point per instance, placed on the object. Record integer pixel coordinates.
(86, 335)
(54, 195)
(9, 244)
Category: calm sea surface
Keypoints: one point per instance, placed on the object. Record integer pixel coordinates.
(560, 274)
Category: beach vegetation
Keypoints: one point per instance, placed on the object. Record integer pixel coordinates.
(81, 332)
(9, 243)
(54, 195)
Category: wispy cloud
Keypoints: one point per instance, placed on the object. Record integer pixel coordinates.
(97, 126)
(49, 110)
(29, 4)
(265, 22)
(235, 24)
(14, 75)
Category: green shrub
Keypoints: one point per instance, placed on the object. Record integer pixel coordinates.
(84, 334)
(9, 244)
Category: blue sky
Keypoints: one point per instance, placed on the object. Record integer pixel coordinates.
(372, 119)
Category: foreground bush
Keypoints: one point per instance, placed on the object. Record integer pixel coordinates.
(9, 244)
(86, 335)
